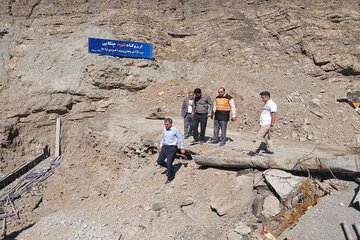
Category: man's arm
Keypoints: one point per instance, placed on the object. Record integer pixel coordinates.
(183, 108)
(193, 105)
(211, 106)
(162, 139)
(273, 118)
(233, 109)
(181, 141)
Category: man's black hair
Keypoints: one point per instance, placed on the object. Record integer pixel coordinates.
(169, 120)
(265, 93)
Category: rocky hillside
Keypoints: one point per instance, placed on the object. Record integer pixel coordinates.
(305, 53)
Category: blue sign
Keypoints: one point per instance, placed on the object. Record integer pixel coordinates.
(120, 48)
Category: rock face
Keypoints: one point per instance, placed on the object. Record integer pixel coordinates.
(258, 44)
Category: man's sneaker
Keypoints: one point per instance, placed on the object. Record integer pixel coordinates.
(214, 141)
(169, 180)
(222, 144)
(251, 153)
(194, 141)
(268, 151)
(201, 142)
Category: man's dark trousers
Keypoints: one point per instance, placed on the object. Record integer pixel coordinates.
(220, 125)
(202, 119)
(187, 125)
(167, 152)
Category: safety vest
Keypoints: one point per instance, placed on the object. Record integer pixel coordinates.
(223, 103)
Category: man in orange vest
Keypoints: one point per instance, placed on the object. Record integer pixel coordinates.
(224, 108)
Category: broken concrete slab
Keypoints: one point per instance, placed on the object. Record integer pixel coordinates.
(259, 181)
(327, 214)
(271, 206)
(236, 196)
(282, 182)
(257, 205)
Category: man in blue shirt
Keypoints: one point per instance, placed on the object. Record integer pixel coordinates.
(170, 138)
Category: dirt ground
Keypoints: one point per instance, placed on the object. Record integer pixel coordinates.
(116, 197)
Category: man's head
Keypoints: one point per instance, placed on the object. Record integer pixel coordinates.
(190, 95)
(221, 91)
(168, 123)
(265, 96)
(197, 92)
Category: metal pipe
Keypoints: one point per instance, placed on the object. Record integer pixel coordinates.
(346, 231)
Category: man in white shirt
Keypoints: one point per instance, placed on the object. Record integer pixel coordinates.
(186, 113)
(267, 121)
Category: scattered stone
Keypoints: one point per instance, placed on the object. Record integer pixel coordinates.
(242, 229)
(156, 113)
(233, 236)
(158, 206)
(271, 206)
(315, 103)
(307, 121)
(187, 202)
(341, 204)
(147, 208)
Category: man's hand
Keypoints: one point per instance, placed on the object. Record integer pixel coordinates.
(271, 128)
(182, 150)
(233, 118)
(159, 149)
(211, 115)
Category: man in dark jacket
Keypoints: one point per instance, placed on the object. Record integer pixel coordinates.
(186, 113)
(224, 106)
(202, 109)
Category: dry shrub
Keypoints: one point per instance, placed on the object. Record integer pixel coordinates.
(308, 197)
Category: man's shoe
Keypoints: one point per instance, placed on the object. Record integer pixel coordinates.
(201, 142)
(169, 180)
(214, 142)
(251, 153)
(194, 141)
(268, 151)
(222, 144)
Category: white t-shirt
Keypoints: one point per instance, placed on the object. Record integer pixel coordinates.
(269, 107)
(190, 106)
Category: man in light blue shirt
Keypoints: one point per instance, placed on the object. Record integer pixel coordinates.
(170, 138)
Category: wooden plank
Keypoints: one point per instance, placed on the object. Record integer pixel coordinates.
(57, 137)
(12, 176)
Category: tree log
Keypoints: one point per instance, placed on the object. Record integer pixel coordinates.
(340, 164)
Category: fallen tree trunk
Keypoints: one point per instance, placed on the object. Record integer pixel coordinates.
(340, 164)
